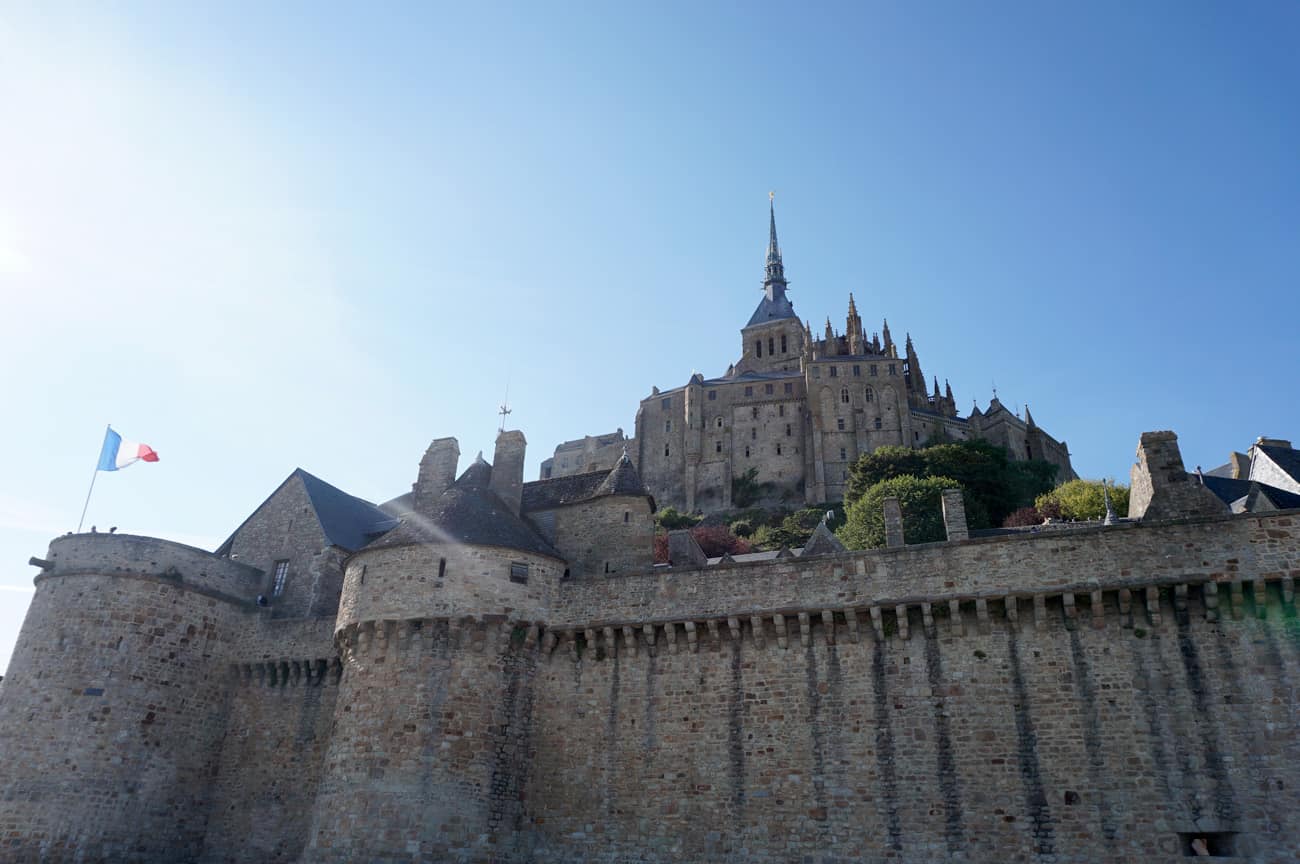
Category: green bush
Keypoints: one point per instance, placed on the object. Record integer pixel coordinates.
(921, 502)
(1082, 500)
(669, 519)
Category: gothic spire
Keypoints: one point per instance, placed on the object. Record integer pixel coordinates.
(775, 270)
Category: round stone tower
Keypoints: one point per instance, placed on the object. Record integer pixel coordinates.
(111, 713)
(437, 625)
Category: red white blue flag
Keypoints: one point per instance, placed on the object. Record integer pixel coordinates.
(119, 452)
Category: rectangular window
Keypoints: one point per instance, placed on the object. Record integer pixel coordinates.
(835, 371)
(778, 449)
(749, 391)
(713, 395)
(780, 410)
(746, 452)
(666, 403)
(892, 370)
(857, 371)
(783, 351)
(753, 413)
(789, 387)
(877, 422)
(873, 370)
(817, 371)
(668, 425)
(758, 347)
(843, 455)
(767, 389)
(753, 434)
(839, 423)
(665, 450)
(787, 430)
(281, 573)
(717, 447)
(771, 345)
(519, 572)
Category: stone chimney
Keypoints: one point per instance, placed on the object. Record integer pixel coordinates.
(508, 468)
(437, 472)
(954, 514)
(1161, 488)
(893, 523)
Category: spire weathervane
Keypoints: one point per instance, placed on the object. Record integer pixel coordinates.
(505, 408)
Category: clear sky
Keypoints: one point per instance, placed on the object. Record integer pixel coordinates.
(261, 236)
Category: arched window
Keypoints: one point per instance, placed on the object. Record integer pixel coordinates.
(665, 450)
(871, 395)
(758, 347)
(771, 345)
(719, 423)
(844, 394)
(783, 351)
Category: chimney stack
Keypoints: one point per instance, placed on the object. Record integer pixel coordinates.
(508, 468)
(437, 472)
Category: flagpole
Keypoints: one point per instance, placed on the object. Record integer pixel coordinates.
(93, 476)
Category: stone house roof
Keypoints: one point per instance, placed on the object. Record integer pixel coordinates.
(347, 521)
(468, 512)
(622, 479)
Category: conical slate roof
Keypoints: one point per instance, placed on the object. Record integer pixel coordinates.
(470, 513)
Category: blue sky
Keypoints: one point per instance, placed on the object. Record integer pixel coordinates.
(262, 236)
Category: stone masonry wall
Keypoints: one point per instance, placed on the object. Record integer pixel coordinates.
(115, 702)
(285, 528)
(445, 580)
(1083, 739)
(610, 534)
(432, 746)
(266, 778)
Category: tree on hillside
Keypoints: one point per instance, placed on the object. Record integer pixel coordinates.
(921, 501)
(1082, 500)
(995, 484)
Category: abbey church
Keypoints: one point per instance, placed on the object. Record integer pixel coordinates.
(797, 411)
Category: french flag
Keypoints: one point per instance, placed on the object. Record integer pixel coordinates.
(119, 453)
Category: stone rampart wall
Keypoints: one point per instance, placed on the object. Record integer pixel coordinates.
(131, 555)
(115, 704)
(269, 768)
(1074, 738)
(445, 580)
(1128, 557)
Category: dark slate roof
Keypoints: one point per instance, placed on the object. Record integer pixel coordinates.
(1281, 498)
(1285, 458)
(346, 520)
(622, 479)
(1229, 490)
(471, 513)
(772, 309)
(545, 494)
(822, 541)
(1225, 489)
